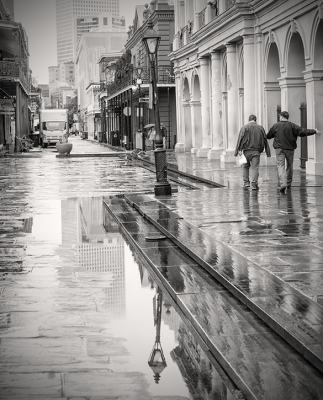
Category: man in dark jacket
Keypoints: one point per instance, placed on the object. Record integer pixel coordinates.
(285, 135)
(252, 141)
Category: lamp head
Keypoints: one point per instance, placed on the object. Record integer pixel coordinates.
(151, 40)
(139, 71)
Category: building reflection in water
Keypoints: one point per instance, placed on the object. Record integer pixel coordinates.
(100, 248)
(89, 228)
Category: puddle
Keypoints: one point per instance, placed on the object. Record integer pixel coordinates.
(131, 309)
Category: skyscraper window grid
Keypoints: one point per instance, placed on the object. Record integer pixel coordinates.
(66, 11)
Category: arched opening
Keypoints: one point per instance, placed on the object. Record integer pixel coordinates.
(295, 84)
(271, 86)
(318, 47)
(294, 91)
(196, 115)
(296, 60)
(272, 92)
(315, 104)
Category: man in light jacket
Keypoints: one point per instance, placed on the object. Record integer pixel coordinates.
(252, 141)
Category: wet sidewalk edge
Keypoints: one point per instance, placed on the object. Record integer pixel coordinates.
(291, 332)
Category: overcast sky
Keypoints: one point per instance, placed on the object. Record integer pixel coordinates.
(38, 17)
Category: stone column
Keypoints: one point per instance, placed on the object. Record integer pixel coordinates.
(259, 99)
(205, 106)
(233, 112)
(217, 132)
(186, 126)
(249, 77)
(196, 125)
(314, 90)
(179, 147)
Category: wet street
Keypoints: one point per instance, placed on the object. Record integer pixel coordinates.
(221, 286)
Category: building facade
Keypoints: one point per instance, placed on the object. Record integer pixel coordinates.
(53, 78)
(15, 80)
(233, 58)
(67, 73)
(92, 45)
(127, 95)
(66, 13)
(98, 23)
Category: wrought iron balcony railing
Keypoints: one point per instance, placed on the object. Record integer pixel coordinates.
(15, 70)
(164, 73)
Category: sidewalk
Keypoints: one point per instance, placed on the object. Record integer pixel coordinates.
(265, 247)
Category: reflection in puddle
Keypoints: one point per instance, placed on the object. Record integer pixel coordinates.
(129, 307)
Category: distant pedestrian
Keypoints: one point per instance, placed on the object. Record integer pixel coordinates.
(285, 135)
(152, 136)
(252, 141)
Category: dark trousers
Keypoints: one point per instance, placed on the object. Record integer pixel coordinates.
(253, 158)
(285, 174)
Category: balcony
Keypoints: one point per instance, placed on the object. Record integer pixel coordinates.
(14, 70)
(165, 76)
(208, 14)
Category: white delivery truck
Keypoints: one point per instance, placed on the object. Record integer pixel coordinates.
(53, 126)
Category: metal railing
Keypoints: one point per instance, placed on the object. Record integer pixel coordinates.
(14, 69)
(164, 73)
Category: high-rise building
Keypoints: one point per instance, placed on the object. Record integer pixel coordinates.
(66, 73)
(53, 73)
(98, 23)
(66, 11)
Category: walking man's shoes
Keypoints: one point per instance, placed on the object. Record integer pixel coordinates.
(255, 187)
(246, 185)
(282, 189)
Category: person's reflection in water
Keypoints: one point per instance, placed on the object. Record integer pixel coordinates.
(290, 225)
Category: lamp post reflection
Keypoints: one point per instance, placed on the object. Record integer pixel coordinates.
(157, 360)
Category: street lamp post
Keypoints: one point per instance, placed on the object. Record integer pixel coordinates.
(139, 82)
(151, 42)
